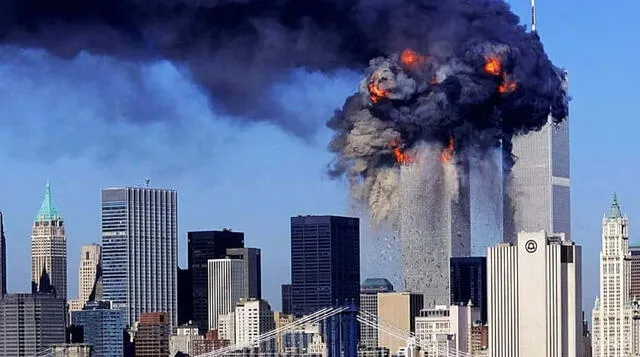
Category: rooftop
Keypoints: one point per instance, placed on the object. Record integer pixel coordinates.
(376, 285)
(48, 210)
(615, 208)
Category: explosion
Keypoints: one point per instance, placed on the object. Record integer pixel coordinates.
(401, 157)
(447, 153)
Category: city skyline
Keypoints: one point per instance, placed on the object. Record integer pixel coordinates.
(588, 195)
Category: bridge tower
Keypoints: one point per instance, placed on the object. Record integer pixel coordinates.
(341, 332)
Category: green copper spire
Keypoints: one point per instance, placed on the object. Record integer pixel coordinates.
(48, 210)
(615, 208)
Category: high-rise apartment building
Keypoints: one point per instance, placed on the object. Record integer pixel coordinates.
(3, 259)
(102, 327)
(469, 283)
(612, 316)
(325, 262)
(203, 246)
(254, 318)
(30, 324)
(49, 248)
(539, 186)
(139, 250)
(534, 297)
(90, 260)
(252, 269)
(152, 335)
(286, 298)
(226, 287)
(435, 225)
(634, 287)
(397, 311)
(369, 305)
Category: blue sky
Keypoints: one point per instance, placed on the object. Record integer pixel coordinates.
(253, 178)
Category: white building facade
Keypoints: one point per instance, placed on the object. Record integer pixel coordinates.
(183, 340)
(253, 318)
(446, 329)
(226, 287)
(90, 258)
(534, 297)
(227, 327)
(612, 316)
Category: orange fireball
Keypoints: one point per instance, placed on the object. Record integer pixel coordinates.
(411, 58)
(401, 156)
(447, 152)
(493, 66)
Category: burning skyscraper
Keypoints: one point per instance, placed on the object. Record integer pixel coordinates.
(434, 221)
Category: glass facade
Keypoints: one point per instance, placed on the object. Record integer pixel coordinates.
(139, 239)
(102, 328)
(325, 262)
(540, 183)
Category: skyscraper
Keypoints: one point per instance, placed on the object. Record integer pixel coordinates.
(203, 246)
(539, 186)
(535, 297)
(3, 259)
(634, 287)
(102, 328)
(325, 262)
(49, 247)
(285, 291)
(612, 314)
(185, 297)
(90, 258)
(252, 270)
(30, 324)
(469, 283)
(226, 287)
(434, 224)
(139, 250)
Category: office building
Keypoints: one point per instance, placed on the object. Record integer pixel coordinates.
(325, 262)
(634, 287)
(254, 318)
(227, 327)
(397, 311)
(152, 335)
(252, 269)
(369, 305)
(3, 259)
(286, 299)
(535, 297)
(446, 328)
(226, 287)
(281, 320)
(299, 340)
(183, 340)
(185, 297)
(210, 343)
(613, 313)
(72, 350)
(90, 260)
(469, 283)
(49, 248)
(30, 324)
(102, 328)
(139, 250)
(203, 246)
(539, 185)
(434, 224)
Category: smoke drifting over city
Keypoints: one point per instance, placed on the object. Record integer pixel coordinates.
(462, 75)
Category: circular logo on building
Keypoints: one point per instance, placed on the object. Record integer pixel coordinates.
(531, 246)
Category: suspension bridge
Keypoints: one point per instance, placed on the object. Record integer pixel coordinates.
(340, 337)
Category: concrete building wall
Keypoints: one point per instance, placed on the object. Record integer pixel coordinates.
(399, 311)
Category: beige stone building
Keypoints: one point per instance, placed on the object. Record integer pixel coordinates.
(397, 311)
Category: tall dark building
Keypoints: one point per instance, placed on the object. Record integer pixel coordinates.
(3, 259)
(252, 270)
(202, 246)
(325, 262)
(286, 299)
(469, 282)
(185, 297)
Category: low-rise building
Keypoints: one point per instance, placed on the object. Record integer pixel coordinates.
(183, 339)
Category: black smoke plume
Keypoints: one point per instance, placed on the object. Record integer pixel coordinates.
(235, 49)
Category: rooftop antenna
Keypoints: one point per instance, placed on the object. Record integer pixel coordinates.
(147, 182)
(533, 15)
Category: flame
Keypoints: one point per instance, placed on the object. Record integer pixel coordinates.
(447, 153)
(411, 58)
(375, 92)
(507, 85)
(493, 66)
(401, 156)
